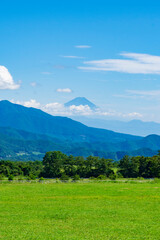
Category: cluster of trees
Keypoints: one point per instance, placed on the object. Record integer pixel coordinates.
(56, 164)
(146, 167)
(28, 169)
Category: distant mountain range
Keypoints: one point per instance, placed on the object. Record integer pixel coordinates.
(133, 127)
(81, 101)
(27, 133)
(36, 121)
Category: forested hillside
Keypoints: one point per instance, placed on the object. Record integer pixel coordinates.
(27, 133)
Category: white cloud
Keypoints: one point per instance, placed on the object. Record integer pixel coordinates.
(33, 84)
(6, 80)
(133, 115)
(151, 93)
(54, 108)
(54, 105)
(73, 57)
(82, 46)
(84, 110)
(81, 109)
(31, 103)
(64, 90)
(136, 64)
(135, 94)
(58, 109)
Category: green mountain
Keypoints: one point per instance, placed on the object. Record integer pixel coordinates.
(36, 121)
(21, 145)
(27, 133)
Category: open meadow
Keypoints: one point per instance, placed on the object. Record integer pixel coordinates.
(81, 210)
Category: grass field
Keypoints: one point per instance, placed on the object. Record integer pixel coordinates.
(73, 211)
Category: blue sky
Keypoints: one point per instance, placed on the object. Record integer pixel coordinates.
(53, 51)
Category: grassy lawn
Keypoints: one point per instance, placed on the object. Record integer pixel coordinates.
(66, 211)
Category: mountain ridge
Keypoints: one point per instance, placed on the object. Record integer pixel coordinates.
(21, 145)
(37, 121)
(28, 133)
(133, 127)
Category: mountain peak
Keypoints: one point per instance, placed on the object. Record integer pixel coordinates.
(5, 101)
(80, 101)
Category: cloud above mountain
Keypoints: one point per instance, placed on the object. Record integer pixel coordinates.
(30, 103)
(135, 63)
(59, 109)
(6, 80)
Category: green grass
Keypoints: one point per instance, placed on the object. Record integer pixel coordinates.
(79, 211)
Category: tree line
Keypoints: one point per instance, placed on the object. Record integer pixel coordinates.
(140, 166)
(30, 169)
(56, 164)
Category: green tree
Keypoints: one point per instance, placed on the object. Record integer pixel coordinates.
(53, 164)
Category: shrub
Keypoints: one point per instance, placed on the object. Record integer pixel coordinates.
(156, 180)
(119, 175)
(76, 177)
(32, 176)
(1, 177)
(101, 177)
(11, 177)
(20, 178)
(28, 178)
(112, 176)
(41, 179)
(92, 178)
(57, 180)
(140, 178)
(64, 177)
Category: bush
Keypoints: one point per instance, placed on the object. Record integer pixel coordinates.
(119, 175)
(64, 177)
(28, 178)
(57, 180)
(76, 177)
(1, 177)
(156, 180)
(11, 177)
(32, 176)
(101, 177)
(112, 176)
(20, 178)
(41, 179)
(140, 178)
(92, 178)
